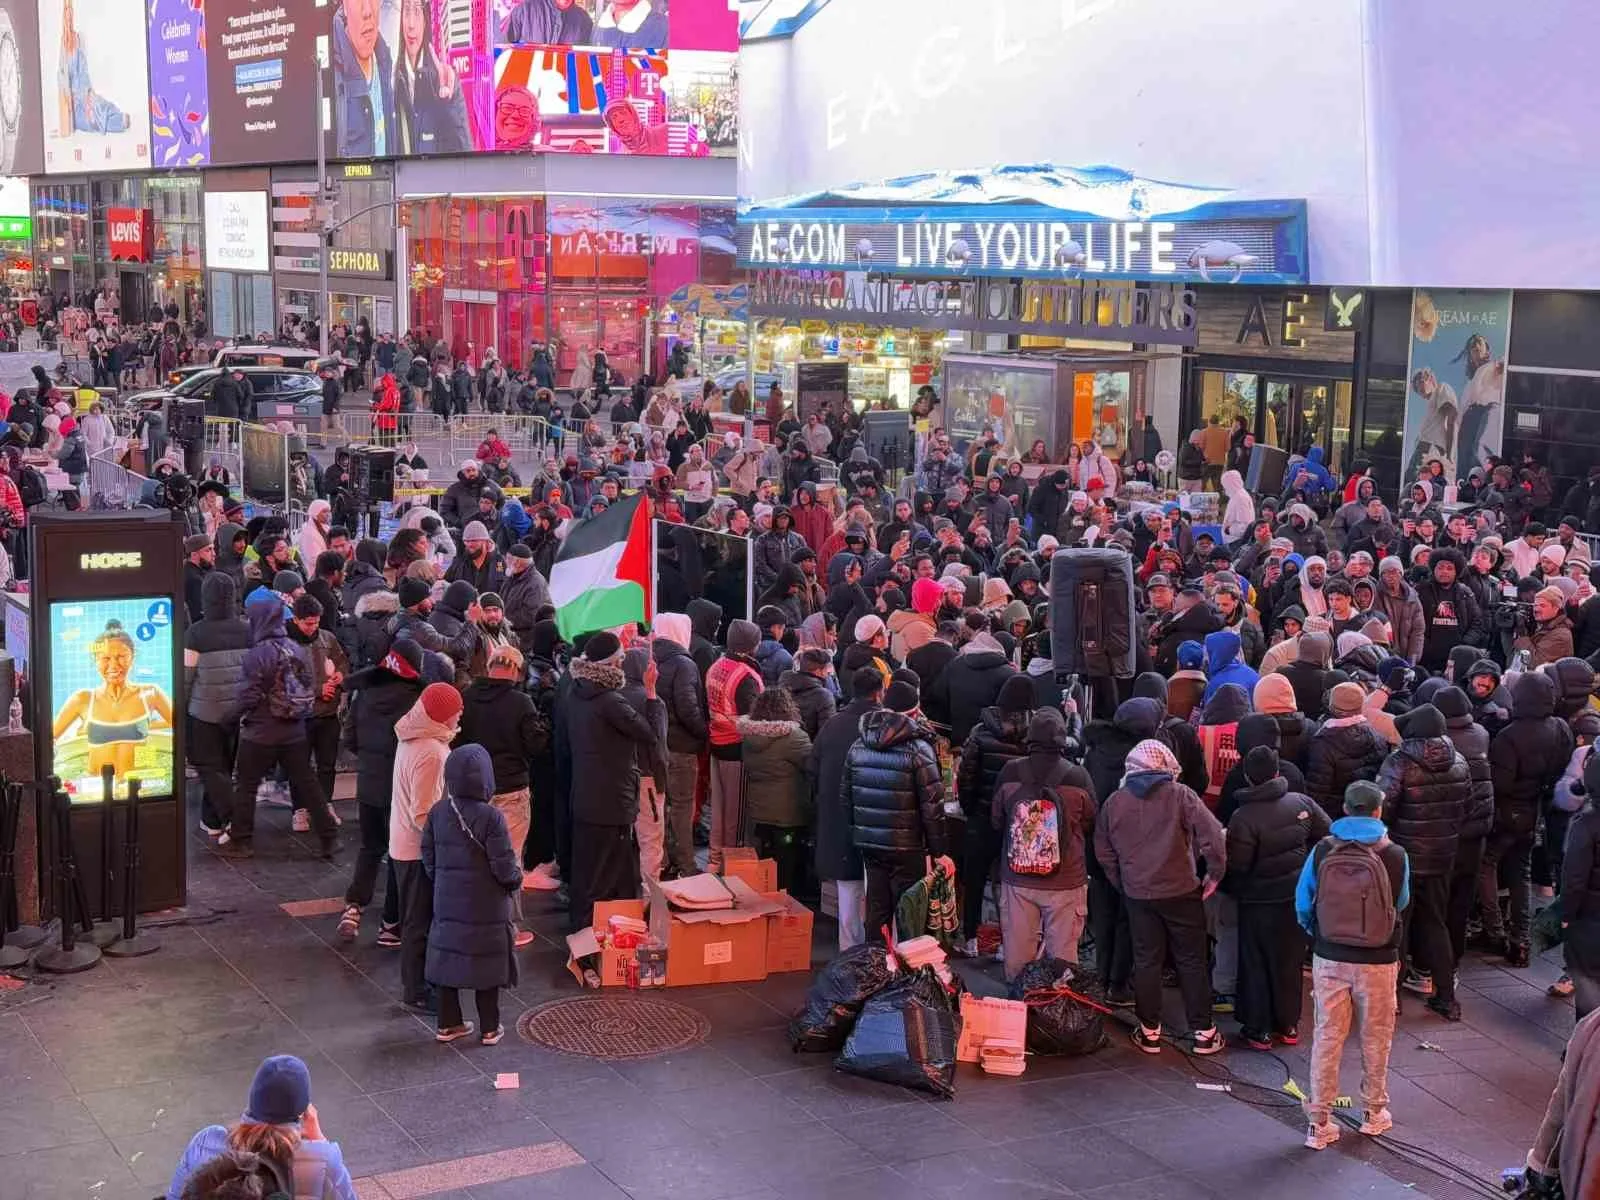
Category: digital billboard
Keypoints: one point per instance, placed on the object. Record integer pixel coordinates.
(94, 93)
(21, 131)
(180, 111)
(261, 79)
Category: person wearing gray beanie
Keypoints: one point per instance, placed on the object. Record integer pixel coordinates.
(732, 685)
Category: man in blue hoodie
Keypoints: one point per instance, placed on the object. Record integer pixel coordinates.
(1354, 966)
(269, 734)
(1223, 664)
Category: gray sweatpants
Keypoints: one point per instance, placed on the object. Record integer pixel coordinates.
(1024, 911)
(1345, 993)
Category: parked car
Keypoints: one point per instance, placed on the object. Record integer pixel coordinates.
(252, 355)
(282, 393)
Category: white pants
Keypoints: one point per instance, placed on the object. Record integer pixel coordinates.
(650, 829)
(852, 912)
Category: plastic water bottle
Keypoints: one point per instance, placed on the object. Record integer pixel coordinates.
(16, 715)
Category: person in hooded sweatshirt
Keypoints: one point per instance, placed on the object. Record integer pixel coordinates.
(1308, 674)
(1148, 836)
(329, 668)
(1270, 835)
(999, 737)
(970, 684)
(1427, 789)
(1223, 664)
(777, 790)
(1344, 748)
(1526, 758)
(1043, 811)
(363, 574)
(1471, 741)
(1490, 699)
(424, 734)
(232, 543)
(611, 744)
(682, 692)
(467, 853)
(1175, 733)
(1107, 745)
(1187, 686)
(732, 685)
(273, 671)
(1274, 696)
(214, 650)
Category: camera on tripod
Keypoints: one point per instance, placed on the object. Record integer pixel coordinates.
(1514, 616)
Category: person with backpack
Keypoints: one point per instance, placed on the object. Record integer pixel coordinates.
(276, 699)
(1352, 890)
(279, 1138)
(1270, 833)
(1043, 807)
(999, 737)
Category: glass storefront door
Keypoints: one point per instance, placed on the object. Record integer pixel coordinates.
(1301, 413)
(469, 329)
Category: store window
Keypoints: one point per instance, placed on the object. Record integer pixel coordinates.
(61, 228)
(1383, 431)
(1227, 395)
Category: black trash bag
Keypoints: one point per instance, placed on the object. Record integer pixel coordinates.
(1060, 1024)
(835, 997)
(906, 1034)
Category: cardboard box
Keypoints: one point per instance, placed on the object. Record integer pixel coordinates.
(613, 962)
(740, 862)
(789, 935)
(725, 945)
(990, 1022)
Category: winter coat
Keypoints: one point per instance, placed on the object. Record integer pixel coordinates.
(270, 650)
(1310, 683)
(837, 856)
(1549, 641)
(997, 739)
(418, 781)
(1193, 625)
(1404, 615)
(773, 661)
(1427, 787)
(930, 661)
(771, 552)
(1223, 664)
(363, 575)
(524, 595)
(378, 699)
(811, 521)
(776, 788)
(610, 744)
(1107, 743)
(705, 618)
(1256, 729)
(1149, 833)
(970, 684)
(1269, 836)
(323, 652)
(1342, 751)
(467, 852)
(1369, 831)
(812, 696)
(1450, 618)
(1528, 755)
(214, 650)
(499, 716)
(682, 691)
(1471, 741)
(370, 638)
(487, 576)
(892, 788)
(427, 633)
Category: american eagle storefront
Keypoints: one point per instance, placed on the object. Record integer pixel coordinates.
(1079, 318)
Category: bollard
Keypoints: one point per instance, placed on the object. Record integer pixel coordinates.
(131, 943)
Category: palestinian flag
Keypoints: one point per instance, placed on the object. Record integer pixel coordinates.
(601, 578)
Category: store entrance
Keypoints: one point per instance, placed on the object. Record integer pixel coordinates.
(469, 328)
(131, 291)
(1297, 414)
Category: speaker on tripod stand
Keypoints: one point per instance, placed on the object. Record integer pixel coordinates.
(1093, 616)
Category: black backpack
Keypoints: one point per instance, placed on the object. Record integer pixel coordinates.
(30, 483)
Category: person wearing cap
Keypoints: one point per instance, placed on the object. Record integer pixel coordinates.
(1149, 834)
(279, 1125)
(524, 592)
(1550, 638)
(612, 746)
(200, 559)
(379, 696)
(276, 675)
(1352, 983)
(424, 733)
(329, 666)
(892, 790)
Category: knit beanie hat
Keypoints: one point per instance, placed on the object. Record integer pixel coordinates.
(441, 702)
(901, 697)
(1151, 755)
(1273, 694)
(1391, 671)
(1551, 595)
(280, 1093)
(743, 637)
(195, 542)
(1260, 764)
(287, 582)
(606, 647)
(1346, 700)
(1016, 695)
(1391, 563)
(412, 592)
(476, 531)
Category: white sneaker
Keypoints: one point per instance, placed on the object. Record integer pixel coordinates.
(546, 877)
(1377, 1123)
(301, 821)
(1320, 1137)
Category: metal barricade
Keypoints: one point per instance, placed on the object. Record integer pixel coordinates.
(222, 440)
(112, 485)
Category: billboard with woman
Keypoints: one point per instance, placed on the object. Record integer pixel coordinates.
(95, 93)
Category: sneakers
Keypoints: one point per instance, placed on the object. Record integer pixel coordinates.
(1255, 1040)
(1516, 956)
(524, 937)
(454, 1033)
(1377, 1123)
(1450, 1010)
(546, 877)
(212, 831)
(1207, 1041)
(1289, 1037)
(1320, 1137)
(1221, 1002)
(232, 849)
(350, 923)
(1418, 983)
(969, 948)
(1562, 986)
(1148, 1040)
(388, 935)
(1120, 997)
(301, 821)
(493, 1038)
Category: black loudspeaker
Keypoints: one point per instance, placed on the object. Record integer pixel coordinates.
(372, 474)
(1092, 613)
(1264, 475)
(189, 421)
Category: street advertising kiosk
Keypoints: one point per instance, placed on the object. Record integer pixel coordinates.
(105, 668)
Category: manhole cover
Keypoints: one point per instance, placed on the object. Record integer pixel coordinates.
(613, 1027)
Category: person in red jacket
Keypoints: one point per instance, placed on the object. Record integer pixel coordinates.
(811, 520)
(386, 411)
(493, 448)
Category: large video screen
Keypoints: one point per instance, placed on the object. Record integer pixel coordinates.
(21, 131)
(180, 107)
(94, 85)
(111, 690)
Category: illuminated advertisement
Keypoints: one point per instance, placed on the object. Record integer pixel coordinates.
(261, 79)
(180, 109)
(21, 132)
(111, 691)
(94, 93)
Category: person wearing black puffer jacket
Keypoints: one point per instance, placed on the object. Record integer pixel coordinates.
(1427, 788)
(682, 690)
(892, 790)
(452, 619)
(1344, 749)
(1580, 896)
(1270, 834)
(1471, 741)
(1000, 736)
(1490, 699)
(970, 684)
(1525, 760)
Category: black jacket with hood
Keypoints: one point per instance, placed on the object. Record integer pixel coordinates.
(997, 738)
(610, 743)
(682, 691)
(363, 575)
(1427, 789)
(705, 618)
(1270, 833)
(812, 697)
(1176, 734)
(892, 788)
(970, 684)
(837, 856)
(1529, 754)
(501, 717)
(1471, 741)
(1255, 730)
(229, 563)
(1342, 751)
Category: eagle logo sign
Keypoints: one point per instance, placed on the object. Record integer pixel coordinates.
(1344, 310)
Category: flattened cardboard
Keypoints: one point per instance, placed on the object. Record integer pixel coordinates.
(717, 946)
